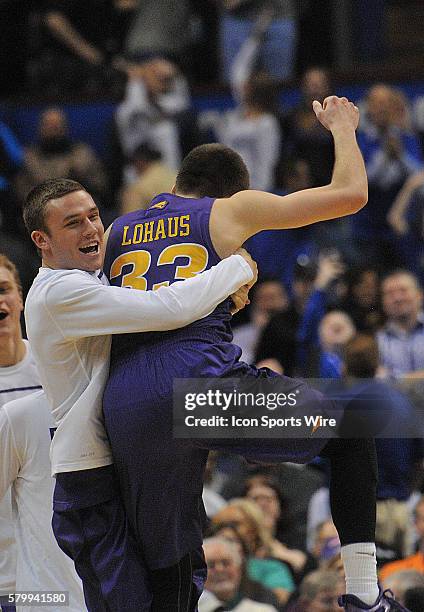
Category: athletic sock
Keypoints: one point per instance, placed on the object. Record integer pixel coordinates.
(360, 565)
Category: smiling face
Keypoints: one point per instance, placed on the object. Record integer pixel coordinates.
(75, 234)
(11, 305)
(224, 570)
(402, 297)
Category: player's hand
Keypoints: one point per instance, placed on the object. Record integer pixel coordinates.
(240, 299)
(251, 263)
(335, 113)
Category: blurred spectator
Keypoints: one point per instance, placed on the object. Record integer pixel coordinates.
(278, 53)
(266, 493)
(305, 138)
(279, 338)
(11, 161)
(319, 592)
(401, 340)
(298, 485)
(225, 574)
(413, 562)
(407, 220)
(261, 566)
(326, 549)
(362, 302)
(329, 271)
(252, 128)
(418, 119)
(160, 28)
(399, 455)
(248, 587)
(153, 177)
(391, 154)
(56, 155)
(79, 42)
(401, 582)
(156, 111)
(335, 330)
(267, 298)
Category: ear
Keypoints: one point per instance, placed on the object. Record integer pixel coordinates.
(40, 239)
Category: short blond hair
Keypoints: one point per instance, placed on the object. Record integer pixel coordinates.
(5, 262)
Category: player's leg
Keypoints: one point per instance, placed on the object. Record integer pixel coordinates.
(178, 588)
(97, 537)
(353, 484)
(106, 557)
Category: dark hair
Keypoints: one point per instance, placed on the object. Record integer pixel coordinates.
(34, 210)
(361, 356)
(212, 170)
(262, 93)
(401, 272)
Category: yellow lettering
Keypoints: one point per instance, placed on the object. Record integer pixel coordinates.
(185, 225)
(173, 232)
(138, 233)
(148, 232)
(160, 230)
(125, 242)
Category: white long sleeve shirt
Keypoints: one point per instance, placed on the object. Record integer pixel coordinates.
(25, 426)
(15, 382)
(70, 315)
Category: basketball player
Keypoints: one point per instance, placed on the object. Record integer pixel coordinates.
(26, 426)
(161, 477)
(18, 377)
(70, 313)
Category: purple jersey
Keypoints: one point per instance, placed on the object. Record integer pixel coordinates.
(168, 242)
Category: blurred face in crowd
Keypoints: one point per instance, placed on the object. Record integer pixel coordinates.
(315, 84)
(11, 305)
(159, 76)
(326, 600)
(300, 178)
(365, 290)
(335, 329)
(224, 570)
(402, 298)
(380, 106)
(231, 534)
(75, 234)
(244, 526)
(53, 124)
(267, 500)
(270, 297)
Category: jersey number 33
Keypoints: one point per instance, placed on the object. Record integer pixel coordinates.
(134, 266)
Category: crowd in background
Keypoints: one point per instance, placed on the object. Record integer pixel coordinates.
(338, 300)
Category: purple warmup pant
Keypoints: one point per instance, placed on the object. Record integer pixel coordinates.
(98, 539)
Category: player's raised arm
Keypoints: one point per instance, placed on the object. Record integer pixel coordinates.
(248, 212)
